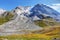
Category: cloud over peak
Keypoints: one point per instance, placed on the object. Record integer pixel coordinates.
(55, 6)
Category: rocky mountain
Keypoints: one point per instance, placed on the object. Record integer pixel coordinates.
(21, 10)
(23, 19)
(20, 23)
(40, 9)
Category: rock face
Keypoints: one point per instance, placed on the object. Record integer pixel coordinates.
(16, 26)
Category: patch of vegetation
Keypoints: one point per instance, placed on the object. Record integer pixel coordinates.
(40, 23)
(46, 22)
(6, 18)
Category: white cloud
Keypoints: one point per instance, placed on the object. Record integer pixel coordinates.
(55, 6)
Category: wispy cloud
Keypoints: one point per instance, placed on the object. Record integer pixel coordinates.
(55, 6)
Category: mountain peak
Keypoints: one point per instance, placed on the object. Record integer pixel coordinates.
(39, 5)
(39, 9)
(2, 10)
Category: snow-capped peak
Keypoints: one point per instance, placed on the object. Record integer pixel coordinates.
(2, 11)
(21, 10)
(43, 9)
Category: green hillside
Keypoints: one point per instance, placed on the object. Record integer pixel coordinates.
(46, 22)
(6, 18)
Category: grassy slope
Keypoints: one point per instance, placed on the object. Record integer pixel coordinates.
(40, 23)
(6, 18)
(47, 34)
(46, 22)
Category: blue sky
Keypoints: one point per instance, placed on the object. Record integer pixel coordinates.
(11, 4)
